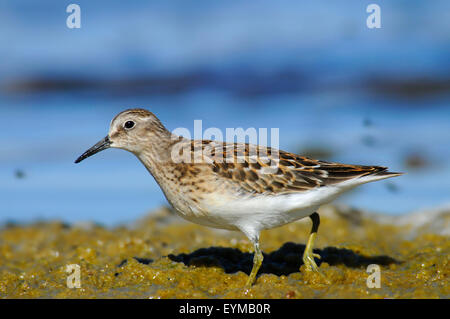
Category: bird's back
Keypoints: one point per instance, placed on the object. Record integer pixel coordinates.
(263, 170)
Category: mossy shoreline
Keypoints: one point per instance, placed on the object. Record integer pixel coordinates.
(162, 256)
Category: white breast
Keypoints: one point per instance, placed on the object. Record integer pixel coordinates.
(258, 212)
(262, 211)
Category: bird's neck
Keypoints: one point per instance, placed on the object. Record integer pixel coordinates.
(157, 156)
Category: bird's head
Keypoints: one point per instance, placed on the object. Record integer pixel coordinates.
(131, 130)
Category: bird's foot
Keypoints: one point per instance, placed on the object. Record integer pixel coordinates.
(310, 264)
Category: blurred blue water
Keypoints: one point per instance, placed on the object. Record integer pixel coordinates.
(327, 43)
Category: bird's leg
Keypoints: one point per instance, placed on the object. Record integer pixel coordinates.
(257, 261)
(308, 255)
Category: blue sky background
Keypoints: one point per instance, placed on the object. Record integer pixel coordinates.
(312, 69)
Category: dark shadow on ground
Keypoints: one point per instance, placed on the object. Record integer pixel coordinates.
(283, 261)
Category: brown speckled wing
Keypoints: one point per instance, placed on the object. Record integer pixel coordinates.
(264, 170)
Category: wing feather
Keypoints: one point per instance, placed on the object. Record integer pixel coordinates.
(263, 170)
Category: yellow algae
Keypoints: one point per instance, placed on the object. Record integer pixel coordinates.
(165, 257)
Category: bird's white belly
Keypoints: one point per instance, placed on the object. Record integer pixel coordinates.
(258, 212)
(262, 212)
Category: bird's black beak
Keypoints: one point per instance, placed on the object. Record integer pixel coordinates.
(100, 146)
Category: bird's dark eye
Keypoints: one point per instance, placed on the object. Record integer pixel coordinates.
(128, 125)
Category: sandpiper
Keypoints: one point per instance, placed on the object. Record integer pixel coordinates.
(235, 186)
